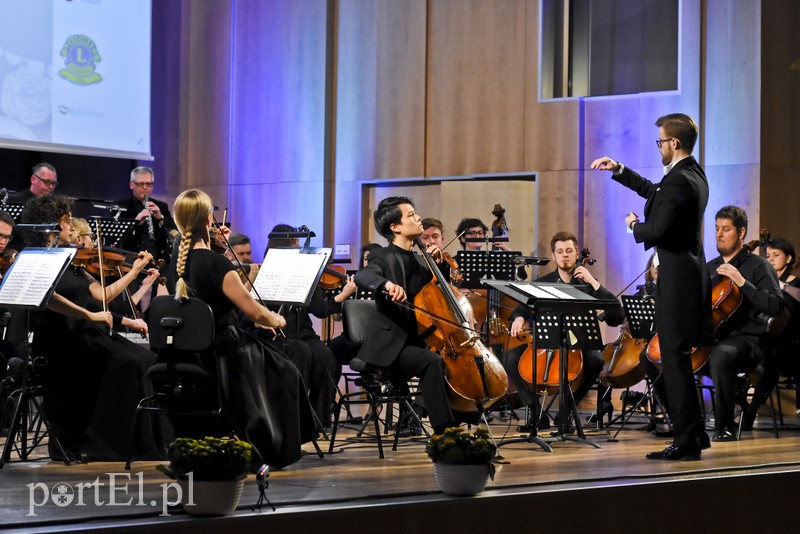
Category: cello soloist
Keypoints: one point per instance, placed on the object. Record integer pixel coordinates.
(399, 274)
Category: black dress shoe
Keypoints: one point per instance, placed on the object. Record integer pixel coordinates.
(724, 435)
(686, 453)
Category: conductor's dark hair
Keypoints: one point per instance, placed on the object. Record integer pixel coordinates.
(736, 214)
(682, 127)
(388, 213)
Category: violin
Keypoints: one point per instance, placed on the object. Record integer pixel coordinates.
(474, 376)
(90, 259)
(333, 277)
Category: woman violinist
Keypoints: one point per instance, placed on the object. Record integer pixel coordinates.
(94, 379)
(564, 252)
(262, 393)
(395, 275)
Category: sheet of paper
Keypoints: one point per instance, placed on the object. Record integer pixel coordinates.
(533, 291)
(287, 275)
(32, 275)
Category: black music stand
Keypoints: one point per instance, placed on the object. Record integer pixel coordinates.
(475, 265)
(114, 230)
(640, 312)
(28, 286)
(564, 318)
(13, 209)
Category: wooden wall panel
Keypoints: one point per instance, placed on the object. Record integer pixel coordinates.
(476, 86)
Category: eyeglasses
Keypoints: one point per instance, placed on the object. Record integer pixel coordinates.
(47, 183)
(659, 141)
(143, 184)
(4, 237)
(475, 233)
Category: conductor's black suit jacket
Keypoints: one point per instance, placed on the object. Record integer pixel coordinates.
(393, 326)
(673, 221)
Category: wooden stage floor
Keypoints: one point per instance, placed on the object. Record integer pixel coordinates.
(736, 487)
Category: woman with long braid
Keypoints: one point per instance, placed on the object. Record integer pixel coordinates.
(262, 392)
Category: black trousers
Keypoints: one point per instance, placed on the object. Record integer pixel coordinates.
(731, 356)
(680, 389)
(428, 367)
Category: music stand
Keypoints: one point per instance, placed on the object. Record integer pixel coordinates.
(27, 286)
(568, 317)
(476, 265)
(13, 209)
(640, 312)
(114, 230)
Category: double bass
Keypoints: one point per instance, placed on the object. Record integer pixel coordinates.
(474, 376)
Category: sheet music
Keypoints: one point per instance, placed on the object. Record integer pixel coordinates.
(33, 275)
(287, 275)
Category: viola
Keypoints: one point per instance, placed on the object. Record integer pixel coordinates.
(474, 376)
(455, 275)
(622, 368)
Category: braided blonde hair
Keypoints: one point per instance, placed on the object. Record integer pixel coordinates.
(191, 211)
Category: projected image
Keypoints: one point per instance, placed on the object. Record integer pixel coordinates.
(75, 76)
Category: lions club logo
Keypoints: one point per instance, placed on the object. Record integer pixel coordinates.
(81, 58)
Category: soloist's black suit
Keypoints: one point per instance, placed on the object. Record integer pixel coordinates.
(392, 340)
(673, 219)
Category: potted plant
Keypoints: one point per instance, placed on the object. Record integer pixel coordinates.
(210, 471)
(462, 460)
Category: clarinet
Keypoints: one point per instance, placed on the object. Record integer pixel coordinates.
(150, 230)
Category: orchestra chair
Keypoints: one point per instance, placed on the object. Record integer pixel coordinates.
(179, 330)
(380, 387)
(23, 415)
(747, 381)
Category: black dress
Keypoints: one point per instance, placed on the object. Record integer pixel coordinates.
(261, 391)
(92, 382)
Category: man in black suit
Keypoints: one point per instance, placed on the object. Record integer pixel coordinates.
(673, 225)
(392, 340)
(153, 222)
(739, 348)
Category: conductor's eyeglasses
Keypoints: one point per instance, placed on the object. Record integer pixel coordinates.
(660, 141)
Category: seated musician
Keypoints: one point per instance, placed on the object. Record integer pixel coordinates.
(564, 252)
(739, 347)
(475, 228)
(322, 367)
(240, 252)
(395, 274)
(93, 379)
(261, 393)
(782, 349)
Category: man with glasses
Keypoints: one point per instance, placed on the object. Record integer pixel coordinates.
(152, 219)
(43, 183)
(474, 228)
(673, 225)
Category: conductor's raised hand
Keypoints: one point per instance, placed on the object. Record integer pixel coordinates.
(396, 292)
(605, 164)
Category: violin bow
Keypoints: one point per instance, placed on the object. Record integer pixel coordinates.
(102, 271)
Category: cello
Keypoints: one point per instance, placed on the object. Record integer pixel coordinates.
(474, 376)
